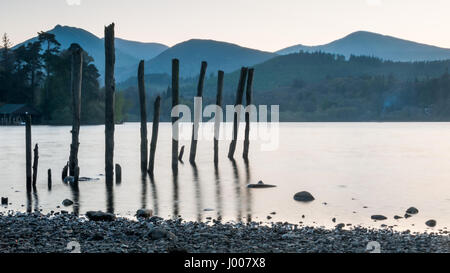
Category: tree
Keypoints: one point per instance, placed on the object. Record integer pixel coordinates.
(29, 60)
(5, 67)
(51, 52)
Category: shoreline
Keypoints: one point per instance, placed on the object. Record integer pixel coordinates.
(51, 233)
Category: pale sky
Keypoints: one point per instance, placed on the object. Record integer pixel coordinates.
(262, 24)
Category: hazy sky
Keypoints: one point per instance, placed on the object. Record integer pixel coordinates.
(263, 24)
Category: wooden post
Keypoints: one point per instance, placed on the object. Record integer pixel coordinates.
(154, 140)
(197, 114)
(118, 174)
(109, 103)
(65, 171)
(240, 93)
(28, 150)
(218, 117)
(144, 141)
(247, 113)
(180, 156)
(76, 174)
(76, 79)
(175, 130)
(49, 181)
(35, 164)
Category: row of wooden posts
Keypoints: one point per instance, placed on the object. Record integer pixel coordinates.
(72, 168)
(177, 155)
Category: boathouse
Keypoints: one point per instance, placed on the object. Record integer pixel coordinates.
(14, 114)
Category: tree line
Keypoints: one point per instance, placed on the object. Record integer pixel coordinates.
(38, 73)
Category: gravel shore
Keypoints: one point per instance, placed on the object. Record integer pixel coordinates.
(35, 232)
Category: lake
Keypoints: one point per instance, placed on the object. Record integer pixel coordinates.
(354, 170)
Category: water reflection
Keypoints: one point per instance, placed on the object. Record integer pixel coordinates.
(175, 193)
(238, 190)
(248, 192)
(144, 190)
(110, 197)
(198, 195)
(29, 201)
(76, 197)
(154, 195)
(218, 192)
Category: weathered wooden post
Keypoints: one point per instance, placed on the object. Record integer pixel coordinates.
(35, 164)
(143, 107)
(247, 113)
(240, 93)
(109, 103)
(180, 155)
(28, 150)
(118, 174)
(197, 113)
(218, 116)
(76, 79)
(175, 130)
(49, 181)
(154, 140)
(65, 171)
(76, 174)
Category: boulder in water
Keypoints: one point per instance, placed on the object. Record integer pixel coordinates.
(431, 223)
(260, 185)
(378, 217)
(412, 210)
(303, 196)
(67, 202)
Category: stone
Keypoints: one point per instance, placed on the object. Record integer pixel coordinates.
(144, 213)
(396, 217)
(100, 216)
(378, 217)
(157, 233)
(303, 196)
(69, 179)
(67, 202)
(4, 201)
(412, 210)
(431, 223)
(260, 185)
(154, 219)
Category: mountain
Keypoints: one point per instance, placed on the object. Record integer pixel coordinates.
(377, 45)
(219, 55)
(128, 53)
(139, 50)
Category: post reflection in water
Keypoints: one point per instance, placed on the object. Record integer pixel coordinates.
(109, 196)
(238, 190)
(175, 194)
(218, 193)
(248, 192)
(29, 201)
(76, 197)
(198, 194)
(154, 194)
(144, 190)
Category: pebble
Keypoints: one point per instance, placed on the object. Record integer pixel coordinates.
(51, 233)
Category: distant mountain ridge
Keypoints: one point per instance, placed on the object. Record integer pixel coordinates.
(128, 53)
(230, 57)
(219, 55)
(377, 45)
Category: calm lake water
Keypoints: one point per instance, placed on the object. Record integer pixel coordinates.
(357, 169)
